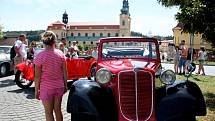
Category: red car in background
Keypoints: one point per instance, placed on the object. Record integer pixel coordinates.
(81, 67)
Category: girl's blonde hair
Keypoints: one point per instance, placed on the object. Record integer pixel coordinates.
(49, 38)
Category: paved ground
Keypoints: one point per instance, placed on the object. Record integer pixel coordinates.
(19, 105)
(209, 70)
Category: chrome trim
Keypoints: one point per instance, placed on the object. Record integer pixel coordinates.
(136, 93)
(152, 104)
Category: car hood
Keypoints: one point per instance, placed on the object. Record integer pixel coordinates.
(128, 64)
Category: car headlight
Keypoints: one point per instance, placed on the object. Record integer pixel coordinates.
(168, 77)
(103, 76)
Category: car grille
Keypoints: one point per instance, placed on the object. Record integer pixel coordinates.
(135, 94)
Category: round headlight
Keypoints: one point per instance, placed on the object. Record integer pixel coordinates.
(103, 76)
(168, 77)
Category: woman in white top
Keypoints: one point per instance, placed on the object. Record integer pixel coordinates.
(201, 58)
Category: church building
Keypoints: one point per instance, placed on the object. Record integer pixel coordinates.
(87, 33)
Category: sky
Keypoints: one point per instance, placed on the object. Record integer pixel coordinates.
(147, 16)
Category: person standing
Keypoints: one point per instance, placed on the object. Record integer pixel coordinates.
(62, 46)
(31, 50)
(183, 57)
(201, 58)
(95, 52)
(50, 77)
(20, 49)
(176, 59)
(74, 45)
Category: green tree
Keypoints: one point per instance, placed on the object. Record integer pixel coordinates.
(1, 33)
(197, 16)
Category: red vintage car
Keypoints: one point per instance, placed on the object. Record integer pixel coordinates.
(81, 67)
(128, 87)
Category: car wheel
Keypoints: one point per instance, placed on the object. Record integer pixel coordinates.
(3, 70)
(21, 81)
(92, 73)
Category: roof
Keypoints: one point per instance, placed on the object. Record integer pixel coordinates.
(179, 26)
(8, 41)
(91, 23)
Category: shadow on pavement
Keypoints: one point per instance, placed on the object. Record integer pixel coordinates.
(6, 83)
(210, 101)
(29, 92)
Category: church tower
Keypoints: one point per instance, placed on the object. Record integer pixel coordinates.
(65, 18)
(125, 20)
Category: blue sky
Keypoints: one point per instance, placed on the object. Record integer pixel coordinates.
(147, 16)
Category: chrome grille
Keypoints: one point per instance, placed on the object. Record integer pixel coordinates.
(135, 94)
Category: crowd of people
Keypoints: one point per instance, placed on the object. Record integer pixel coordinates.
(184, 56)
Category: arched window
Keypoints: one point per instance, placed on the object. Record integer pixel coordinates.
(117, 34)
(72, 34)
(79, 34)
(108, 34)
(84, 42)
(86, 34)
(91, 43)
(94, 34)
(101, 34)
(123, 23)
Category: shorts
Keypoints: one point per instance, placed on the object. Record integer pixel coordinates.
(49, 94)
(201, 61)
(182, 62)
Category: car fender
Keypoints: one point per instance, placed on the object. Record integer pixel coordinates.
(27, 70)
(21, 66)
(89, 98)
(180, 99)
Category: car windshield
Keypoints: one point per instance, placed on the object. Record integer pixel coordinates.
(129, 50)
(5, 50)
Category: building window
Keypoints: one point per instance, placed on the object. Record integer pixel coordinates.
(94, 34)
(108, 34)
(72, 34)
(123, 35)
(117, 34)
(123, 23)
(101, 34)
(115, 43)
(86, 34)
(79, 34)
(91, 43)
(84, 42)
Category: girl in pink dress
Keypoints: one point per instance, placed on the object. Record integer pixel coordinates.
(50, 77)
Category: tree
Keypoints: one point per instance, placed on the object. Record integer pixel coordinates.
(197, 16)
(1, 33)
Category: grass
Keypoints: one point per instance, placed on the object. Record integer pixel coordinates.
(207, 85)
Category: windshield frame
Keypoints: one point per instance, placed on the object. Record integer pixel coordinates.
(108, 40)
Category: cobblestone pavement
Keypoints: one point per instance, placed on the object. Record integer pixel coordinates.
(17, 104)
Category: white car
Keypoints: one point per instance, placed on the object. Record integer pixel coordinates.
(6, 65)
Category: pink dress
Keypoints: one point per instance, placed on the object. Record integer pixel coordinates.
(51, 82)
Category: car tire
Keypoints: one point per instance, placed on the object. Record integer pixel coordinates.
(3, 69)
(20, 81)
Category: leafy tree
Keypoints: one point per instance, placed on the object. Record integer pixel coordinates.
(197, 16)
(1, 33)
